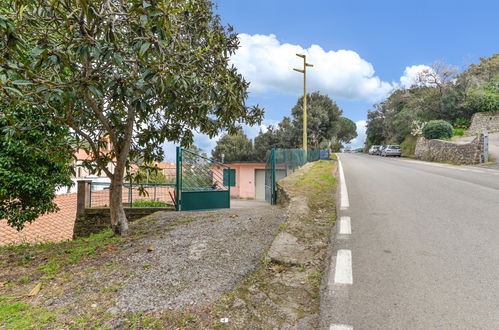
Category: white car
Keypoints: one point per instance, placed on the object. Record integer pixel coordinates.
(374, 150)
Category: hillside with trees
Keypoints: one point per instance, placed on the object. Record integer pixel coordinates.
(441, 93)
(326, 129)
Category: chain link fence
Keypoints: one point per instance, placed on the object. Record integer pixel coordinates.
(282, 162)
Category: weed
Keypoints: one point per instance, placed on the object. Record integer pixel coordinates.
(315, 278)
(24, 279)
(146, 266)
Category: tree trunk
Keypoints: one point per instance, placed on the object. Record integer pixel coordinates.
(119, 221)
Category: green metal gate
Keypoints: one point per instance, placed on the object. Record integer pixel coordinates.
(202, 183)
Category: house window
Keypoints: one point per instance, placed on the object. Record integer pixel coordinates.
(232, 177)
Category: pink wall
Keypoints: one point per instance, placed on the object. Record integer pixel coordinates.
(245, 179)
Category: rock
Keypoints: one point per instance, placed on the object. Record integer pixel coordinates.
(93, 305)
(286, 249)
(238, 303)
(150, 249)
(113, 311)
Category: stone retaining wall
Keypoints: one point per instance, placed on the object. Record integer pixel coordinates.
(484, 121)
(450, 152)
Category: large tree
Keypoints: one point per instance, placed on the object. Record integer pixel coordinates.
(323, 115)
(347, 130)
(439, 94)
(124, 76)
(233, 148)
(34, 161)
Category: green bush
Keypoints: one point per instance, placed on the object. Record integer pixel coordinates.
(462, 123)
(408, 146)
(458, 131)
(438, 129)
(148, 203)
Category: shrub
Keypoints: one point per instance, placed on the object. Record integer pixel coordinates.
(438, 129)
(462, 123)
(408, 146)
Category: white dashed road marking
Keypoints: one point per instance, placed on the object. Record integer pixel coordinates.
(343, 189)
(345, 226)
(343, 270)
(340, 327)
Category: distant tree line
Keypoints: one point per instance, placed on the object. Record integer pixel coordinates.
(326, 129)
(439, 93)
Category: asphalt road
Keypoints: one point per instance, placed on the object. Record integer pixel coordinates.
(424, 247)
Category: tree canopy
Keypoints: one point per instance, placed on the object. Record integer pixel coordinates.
(326, 130)
(439, 94)
(233, 147)
(123, 76)
(34, 161)
(323, 116)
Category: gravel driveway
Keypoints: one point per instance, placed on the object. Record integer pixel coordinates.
(204, 255)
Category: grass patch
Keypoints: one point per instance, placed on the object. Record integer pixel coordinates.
(458, 131)
(318, 184)
(19, 315)
(149, 203)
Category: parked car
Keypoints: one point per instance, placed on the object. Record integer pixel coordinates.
(380, 150)
(391, 150)
(373, 150)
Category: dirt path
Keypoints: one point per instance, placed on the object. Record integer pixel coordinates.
(169, 273)
(195, 263)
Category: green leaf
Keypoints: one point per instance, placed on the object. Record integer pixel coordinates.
(118, 58)
(143, 20)
(145, 46)
(41, 89)
(22, 82)
(95, 91)
(15, 90)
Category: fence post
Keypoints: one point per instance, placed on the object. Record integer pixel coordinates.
(273, 187)
(82, 196)
(229, 170)
(178, 181)
(130, 194)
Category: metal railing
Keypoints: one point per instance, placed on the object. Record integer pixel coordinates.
(134, 194)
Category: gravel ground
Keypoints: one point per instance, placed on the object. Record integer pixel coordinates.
(205, 255)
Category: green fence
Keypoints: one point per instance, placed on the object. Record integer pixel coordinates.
(134, 194)
(202, 183)
(281, 163)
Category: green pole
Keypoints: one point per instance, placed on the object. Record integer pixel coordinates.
(229, 170)
(178, 171)
(273, 197)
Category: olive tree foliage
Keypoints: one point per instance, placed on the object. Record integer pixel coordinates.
(123, 76)
(35, 160)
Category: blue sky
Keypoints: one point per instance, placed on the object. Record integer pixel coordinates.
(360, 49)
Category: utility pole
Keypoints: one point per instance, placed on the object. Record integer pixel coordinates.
(304, 71)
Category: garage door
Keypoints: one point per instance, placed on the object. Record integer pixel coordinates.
(260, 182)
(260, 185)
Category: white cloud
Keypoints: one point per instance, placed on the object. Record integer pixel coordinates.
(267, 64)
(412, 73)
(358, 142)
